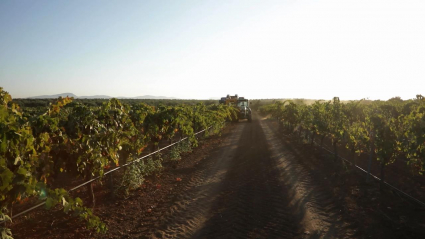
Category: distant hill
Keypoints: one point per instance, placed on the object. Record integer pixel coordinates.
(100, 97)
(53, 96)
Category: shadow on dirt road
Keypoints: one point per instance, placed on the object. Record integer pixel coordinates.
(252, 187)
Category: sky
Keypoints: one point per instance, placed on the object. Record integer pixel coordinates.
(196, 49)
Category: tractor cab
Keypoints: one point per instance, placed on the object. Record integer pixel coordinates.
(243, 102)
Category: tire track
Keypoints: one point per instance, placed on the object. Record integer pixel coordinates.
(255, 206)
(191, 207)
(321, 216)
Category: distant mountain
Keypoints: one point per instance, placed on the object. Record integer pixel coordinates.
(100, 97)
(53, 96)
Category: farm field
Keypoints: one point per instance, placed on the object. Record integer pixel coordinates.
(48, 154)
(248, 183)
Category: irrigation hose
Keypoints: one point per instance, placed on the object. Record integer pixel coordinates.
(373, 176)
(108, 172)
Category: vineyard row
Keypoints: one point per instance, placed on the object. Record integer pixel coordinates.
(386, 130)
(82, 141)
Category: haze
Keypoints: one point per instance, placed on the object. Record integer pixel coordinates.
(201, 49)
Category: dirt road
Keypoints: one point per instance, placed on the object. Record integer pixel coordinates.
(252, 187)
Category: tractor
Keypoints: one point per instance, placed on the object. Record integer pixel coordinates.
(241, 104)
